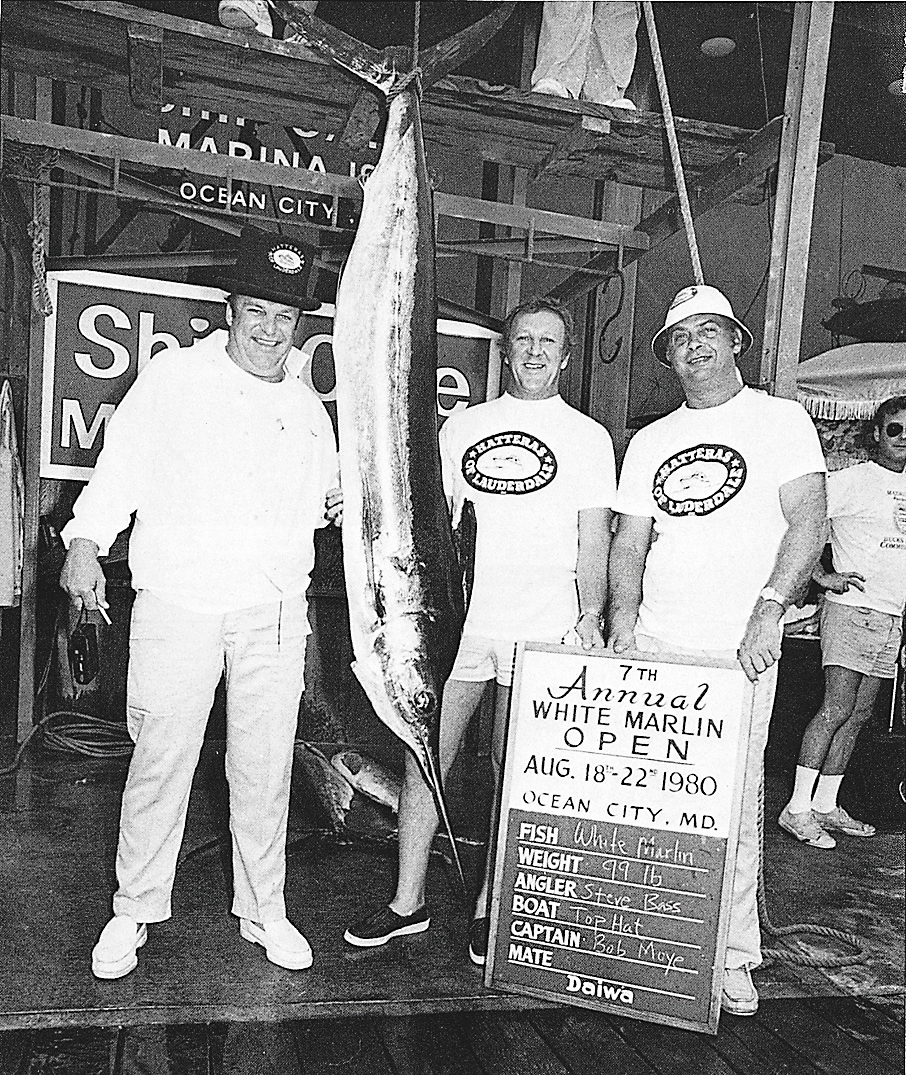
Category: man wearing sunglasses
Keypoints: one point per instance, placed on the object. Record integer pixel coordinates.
(721, 519)
(227, 464)
(861, 620)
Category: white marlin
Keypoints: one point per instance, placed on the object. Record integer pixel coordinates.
(402, 577)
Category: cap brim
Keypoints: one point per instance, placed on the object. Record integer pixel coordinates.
(659, 342)
(242, 287)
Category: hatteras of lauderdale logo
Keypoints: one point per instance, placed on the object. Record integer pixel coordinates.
(287, 259)
(699, 480)
(509, 463)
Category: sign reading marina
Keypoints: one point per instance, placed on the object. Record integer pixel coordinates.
(618, 827)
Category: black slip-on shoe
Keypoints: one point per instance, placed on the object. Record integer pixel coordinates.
(384, 925)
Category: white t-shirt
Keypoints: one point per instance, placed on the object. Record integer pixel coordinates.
(866, 505)
(529, 468)
(226, 473)
(710, 479)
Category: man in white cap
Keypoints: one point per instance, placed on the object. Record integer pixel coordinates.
(721, 520)
(228, 465)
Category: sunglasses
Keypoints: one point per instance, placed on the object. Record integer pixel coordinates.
(893, 429)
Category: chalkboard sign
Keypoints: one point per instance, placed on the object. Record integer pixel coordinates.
(618, 826)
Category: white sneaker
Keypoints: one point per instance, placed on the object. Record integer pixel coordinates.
(841, 821)
(623, 102)
(806, 828)
(551, 87)
(116, 953)
(246, 15)
(281, 941)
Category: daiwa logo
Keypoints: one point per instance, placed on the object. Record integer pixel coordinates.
(511, 462)
(597, 987)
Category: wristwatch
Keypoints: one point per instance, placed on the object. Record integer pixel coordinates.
(770, 594)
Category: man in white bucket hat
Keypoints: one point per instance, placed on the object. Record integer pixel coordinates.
(721, 519)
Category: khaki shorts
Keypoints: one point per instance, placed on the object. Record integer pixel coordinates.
(860, 639)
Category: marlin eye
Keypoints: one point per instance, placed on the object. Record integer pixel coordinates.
(423, 701)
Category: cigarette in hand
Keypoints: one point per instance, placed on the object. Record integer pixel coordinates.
(106, 618)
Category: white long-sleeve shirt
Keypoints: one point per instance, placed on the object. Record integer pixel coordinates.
(226, 474)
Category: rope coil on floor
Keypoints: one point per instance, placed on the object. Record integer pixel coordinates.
(787, 955)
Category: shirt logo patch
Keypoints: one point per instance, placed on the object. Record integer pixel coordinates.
(698, 480)
(509, 463)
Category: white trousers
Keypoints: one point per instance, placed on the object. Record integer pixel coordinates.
(175, 662)
(744, 938)
(589, 47)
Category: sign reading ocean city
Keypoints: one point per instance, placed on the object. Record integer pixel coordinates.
(618, 827)
(105, 327)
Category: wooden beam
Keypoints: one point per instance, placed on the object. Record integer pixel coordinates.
(737, 170)
(514, 216)
(138, 151)
(741, 167)
(146, 66)
(135, 150)
(794, 205)
(32, 478)
(250, 75)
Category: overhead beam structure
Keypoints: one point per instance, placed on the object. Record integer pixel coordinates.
(74, 141)
(746, 165)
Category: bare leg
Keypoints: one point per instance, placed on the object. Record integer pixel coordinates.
(844, 739)
(841, 687)
(417, 813)
(498, 741)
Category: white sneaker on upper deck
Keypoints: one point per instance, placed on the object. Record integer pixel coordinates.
(246, 15)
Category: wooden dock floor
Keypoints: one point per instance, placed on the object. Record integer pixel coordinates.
(202, 1000)
(827, 1036)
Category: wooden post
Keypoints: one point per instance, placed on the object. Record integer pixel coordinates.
(31, 469)
(793, 209)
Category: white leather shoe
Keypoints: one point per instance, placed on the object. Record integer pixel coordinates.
(116, 953)
(246, 15)
(551, 87)
(281, 941)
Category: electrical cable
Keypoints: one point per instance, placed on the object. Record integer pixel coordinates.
(76, 732)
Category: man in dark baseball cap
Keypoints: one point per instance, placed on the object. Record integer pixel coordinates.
(226, 463)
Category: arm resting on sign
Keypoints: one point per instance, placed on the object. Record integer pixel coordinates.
(804, 505)
(591, 573)
(628, 553)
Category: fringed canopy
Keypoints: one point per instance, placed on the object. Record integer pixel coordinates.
(851, 381)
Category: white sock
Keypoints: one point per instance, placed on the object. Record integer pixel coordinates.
(801, 799)
(825, 797)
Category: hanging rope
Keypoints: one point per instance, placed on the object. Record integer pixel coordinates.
(32, 163)
(40, 296)
(672, 141)
(415, 71)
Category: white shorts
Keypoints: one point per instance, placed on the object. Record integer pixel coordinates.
(480, 659)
